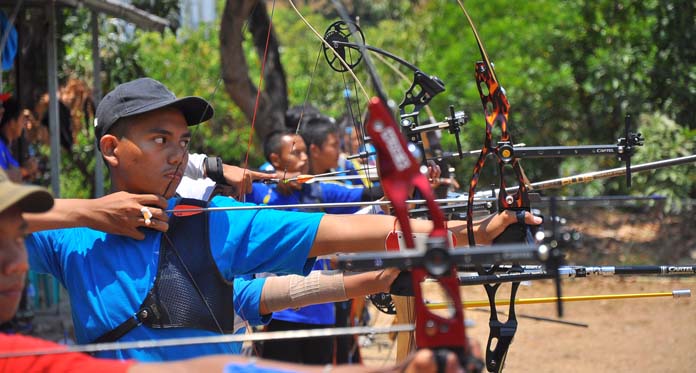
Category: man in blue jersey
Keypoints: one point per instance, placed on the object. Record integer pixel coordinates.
(287, 152)
(18, 200)
(178, 283)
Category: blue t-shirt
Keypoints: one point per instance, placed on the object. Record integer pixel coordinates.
(108, 276)
(267, 167)
(318, 314)
(263, 194)
(6, 158)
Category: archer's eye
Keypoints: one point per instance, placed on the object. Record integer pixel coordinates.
(184, 143)
(160, 140)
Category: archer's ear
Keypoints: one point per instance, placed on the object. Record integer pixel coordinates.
(108, 144)
(314, 151)
(275, 161)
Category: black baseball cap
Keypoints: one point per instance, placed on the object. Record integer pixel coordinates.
(142, 96)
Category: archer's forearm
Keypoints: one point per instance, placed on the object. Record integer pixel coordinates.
(361, 233)
(293, 291)
(357, 233)
(66, 213)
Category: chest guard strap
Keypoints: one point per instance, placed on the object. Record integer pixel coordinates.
(191, 295)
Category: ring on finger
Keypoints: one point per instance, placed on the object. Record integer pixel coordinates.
(147, 215)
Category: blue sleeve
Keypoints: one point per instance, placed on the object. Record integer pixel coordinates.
(252, 368)
(258, 193)
(6, 158)
(44, 256)
(247, 298)
(332, 193)
(255, 241)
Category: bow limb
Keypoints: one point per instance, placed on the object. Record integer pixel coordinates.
(496, 109)
(404, 305)
(399, 173)
(327, 47)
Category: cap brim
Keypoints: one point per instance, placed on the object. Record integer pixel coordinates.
(29, 198)
(195, 109)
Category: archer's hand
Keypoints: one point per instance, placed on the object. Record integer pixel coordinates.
(493, 226)
(286, 188)
(423, 361)
(120, 213)
(241, 178)
(434, 174)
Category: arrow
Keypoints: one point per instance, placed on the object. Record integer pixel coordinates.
(595, 175)
(186, 210)
(685, 293)
(228, 338)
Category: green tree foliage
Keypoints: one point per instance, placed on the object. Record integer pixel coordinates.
(571, 69)
(227, 134)
(673, 75)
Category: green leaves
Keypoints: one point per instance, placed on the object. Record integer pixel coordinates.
(572, 70)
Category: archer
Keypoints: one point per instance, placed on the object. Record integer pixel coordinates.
(143, 135)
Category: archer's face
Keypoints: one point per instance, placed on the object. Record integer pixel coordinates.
(13, 261)
(325, 157)
(152, 155)
(14, 128)
(354, 142)
(293, 155)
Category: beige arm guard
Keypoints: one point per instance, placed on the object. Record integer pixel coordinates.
(293, 291)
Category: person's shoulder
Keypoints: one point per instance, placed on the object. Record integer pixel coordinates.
(267, 167)
(81, 233)
(223, 201)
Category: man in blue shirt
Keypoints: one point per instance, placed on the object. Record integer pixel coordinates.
(287, 153)
(10, 130)
(143, 135)
(17, 200)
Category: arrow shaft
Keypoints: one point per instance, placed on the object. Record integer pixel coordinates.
(614, 172)
(578, 298)
(228, 338)
(595, 175)
(483, 200)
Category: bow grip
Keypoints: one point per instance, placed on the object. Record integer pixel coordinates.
(519, 231)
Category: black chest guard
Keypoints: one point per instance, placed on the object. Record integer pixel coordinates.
(189, 291)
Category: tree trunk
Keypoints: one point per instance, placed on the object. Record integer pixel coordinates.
(273, 100)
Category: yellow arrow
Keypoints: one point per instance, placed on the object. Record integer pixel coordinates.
(579, 298)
